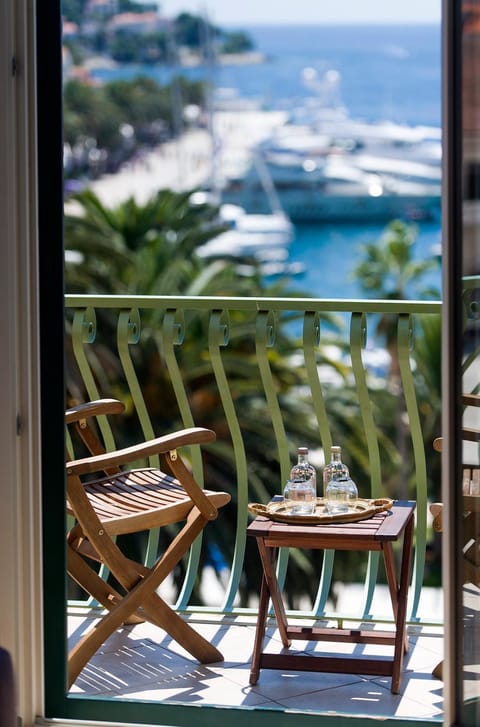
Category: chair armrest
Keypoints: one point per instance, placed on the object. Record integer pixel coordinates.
(436, 508)
(471, 399)
(471, 435)
(160, 445)
(93, 409)
(468, 435)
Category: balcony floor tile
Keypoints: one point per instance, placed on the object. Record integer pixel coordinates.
(142, 662)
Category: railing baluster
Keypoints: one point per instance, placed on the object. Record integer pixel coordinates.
(405, 342)
(218, 338)
(84, 331)
(311, 340)
(128, 334)
(471, 307)
(358, 335)
(265, 335)
(173, 333)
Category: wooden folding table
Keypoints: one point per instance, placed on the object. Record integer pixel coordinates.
(377, 533)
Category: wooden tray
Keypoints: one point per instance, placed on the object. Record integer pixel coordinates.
(362, 510)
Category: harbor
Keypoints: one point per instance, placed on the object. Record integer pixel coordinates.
(305, 154)
(187, 163)
(317, 256)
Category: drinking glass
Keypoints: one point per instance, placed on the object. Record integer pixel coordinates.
(300, 497)
(341, 495)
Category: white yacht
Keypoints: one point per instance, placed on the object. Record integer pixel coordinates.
(249, 234)
(326, 166)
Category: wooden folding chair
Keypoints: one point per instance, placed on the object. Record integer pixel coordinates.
(471, 510)
(135, 500)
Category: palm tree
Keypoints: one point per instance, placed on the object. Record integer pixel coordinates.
(388, 268)
(151, 249)
(389, 271)
(135, 248)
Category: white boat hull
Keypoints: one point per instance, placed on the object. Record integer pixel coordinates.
(311, 205)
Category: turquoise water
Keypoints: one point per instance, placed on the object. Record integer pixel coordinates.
(330, 253)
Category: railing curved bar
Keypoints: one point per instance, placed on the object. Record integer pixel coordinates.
(265, 335)
(471, 309)
(218, 338)
(358, 338)
(173, 334)
(405, 344)
(128, 334)
(311, 340)
(84, 331)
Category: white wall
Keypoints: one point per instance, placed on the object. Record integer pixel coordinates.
(20, 533)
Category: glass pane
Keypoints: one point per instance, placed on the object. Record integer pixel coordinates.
(471, 360)
(295, 152)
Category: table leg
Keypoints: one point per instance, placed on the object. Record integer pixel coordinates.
(401, 615)
(268, 557)
(392, 583)
(260, 631)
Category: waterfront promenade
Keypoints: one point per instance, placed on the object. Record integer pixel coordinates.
(190, 162)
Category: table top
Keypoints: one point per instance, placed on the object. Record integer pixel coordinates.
(383, 527)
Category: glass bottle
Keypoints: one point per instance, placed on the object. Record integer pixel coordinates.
(303, 470)
(300, 491)
(335, 468)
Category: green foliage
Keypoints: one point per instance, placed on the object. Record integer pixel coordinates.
(88, 112)
(389, 270)
(99, 114)
(76, 51)
(238, 42)
(137, 249)
(73, 10)
(135, 6)
(193, 31)
(140, 102)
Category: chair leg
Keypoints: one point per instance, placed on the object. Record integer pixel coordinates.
(141, 592)
(92, 584)
(162, 615)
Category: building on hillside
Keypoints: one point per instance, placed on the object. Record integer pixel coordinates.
(137, 23)
(100, 9)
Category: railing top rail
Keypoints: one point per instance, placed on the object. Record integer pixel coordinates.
(338, 305)
(471, 281)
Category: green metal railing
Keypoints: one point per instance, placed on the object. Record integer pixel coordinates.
(172, 323)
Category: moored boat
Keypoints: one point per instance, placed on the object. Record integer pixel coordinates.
(326, 166)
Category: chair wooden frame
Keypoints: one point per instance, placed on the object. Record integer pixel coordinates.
(471, 509)
(135, 500)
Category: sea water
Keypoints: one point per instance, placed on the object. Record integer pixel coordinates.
(386, 71)
(329, 253)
